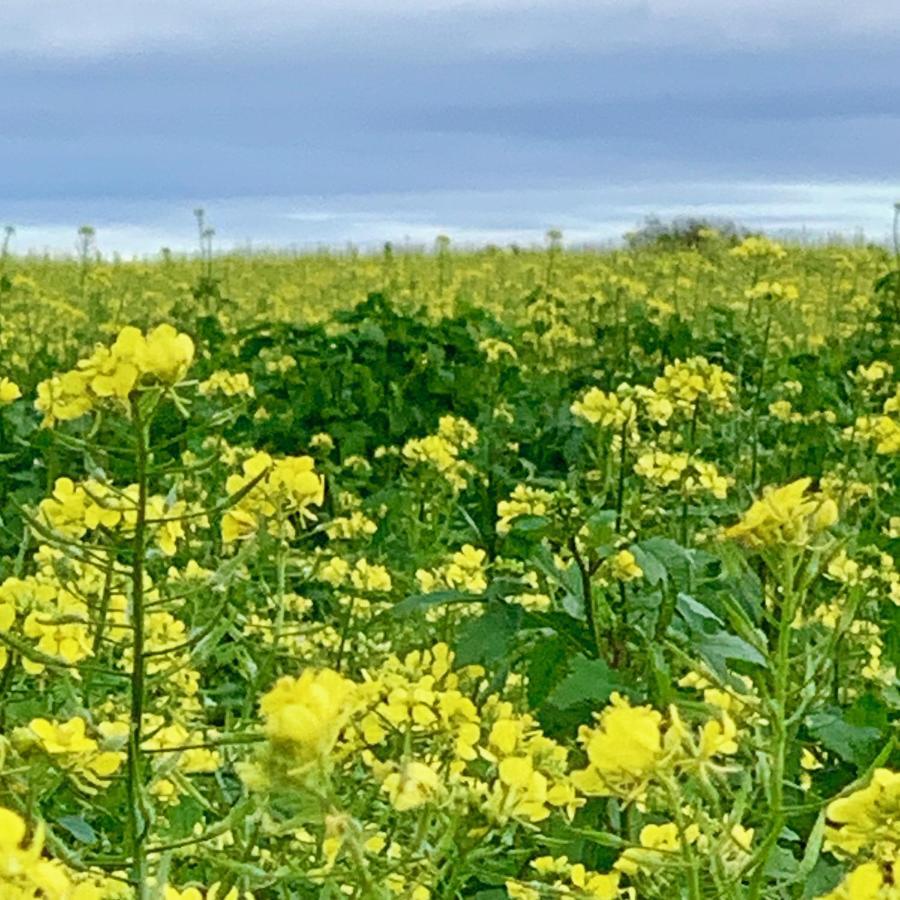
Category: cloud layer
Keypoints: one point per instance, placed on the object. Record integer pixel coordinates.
(92, 28)
(121, 105)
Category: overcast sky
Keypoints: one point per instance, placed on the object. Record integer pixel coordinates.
(312, 121)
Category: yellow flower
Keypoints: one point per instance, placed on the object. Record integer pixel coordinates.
(280, 487)
(25, 874)
(868, 819)
(162, 356)
(9, 391)
(717, 737)
(785, 515)
(624, 750)
(625, 567)
(414, 785)
(605, 409)
(869, 881)
(65, 737)
(306, 714)
(658, 846)
(228, 383)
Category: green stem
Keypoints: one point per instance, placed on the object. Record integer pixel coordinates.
(754, 410)
(138, 824)
(780, 724)
(695, 891)
(620, 487)
(587, 595)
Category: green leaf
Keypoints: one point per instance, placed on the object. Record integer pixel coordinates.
(486, 639)
(418, 602)
(666, 560)
(813, 849)
(78, 828)
(654, 571)
(546, 668)
(699, 617)
(588, 681)
(528, 524)
(709, 639)
(855, 744)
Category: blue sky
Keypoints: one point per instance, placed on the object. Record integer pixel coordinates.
(298, 122)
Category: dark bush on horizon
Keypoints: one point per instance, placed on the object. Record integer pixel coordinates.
(683, 231)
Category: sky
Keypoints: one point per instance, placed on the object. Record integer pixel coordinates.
(300, 123)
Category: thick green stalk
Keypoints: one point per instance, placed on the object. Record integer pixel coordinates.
(137, 818)
(779, 720)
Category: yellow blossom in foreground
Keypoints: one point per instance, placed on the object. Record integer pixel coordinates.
(868, 820)
(9, 391)
(162, 356)
(785, 515)
(270, 488)
(26, 874)
(624, 749)
(870, 881)
(306, 714)
(64, 737)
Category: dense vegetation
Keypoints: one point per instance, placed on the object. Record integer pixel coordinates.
(508, 573)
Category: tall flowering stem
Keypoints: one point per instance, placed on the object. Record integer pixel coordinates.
(138, 824)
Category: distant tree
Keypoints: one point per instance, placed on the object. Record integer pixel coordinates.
(684, 231)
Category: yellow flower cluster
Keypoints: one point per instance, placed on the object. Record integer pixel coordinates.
(788, 515)
(609, 410)
(869, 881)
(231, 384)
(524, 501)
(872, 374)
(624, 567)
(758, 247)
(346, 528)
(882, 431)
(416, 726)
(75, 509)
(684, 383)
(864, 826)
(571, 880)
(868, 820)
(305, 715)
(442, 450)
(631, 746)
(71, 748)
(464, 571)
(270, 491)
(361, 575)
(53, 608)
(772, 290)
(134, 360)
(692, 475)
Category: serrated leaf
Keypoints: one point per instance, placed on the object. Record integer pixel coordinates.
(855, 744)
(588, 681)
(487, 638)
